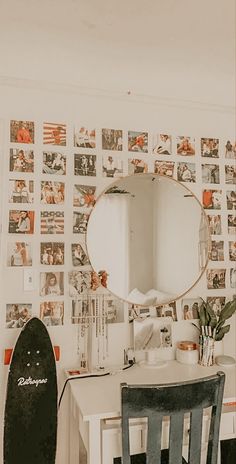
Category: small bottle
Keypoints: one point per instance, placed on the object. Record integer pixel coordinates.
(187, 352)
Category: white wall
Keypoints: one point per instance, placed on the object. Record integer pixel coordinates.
(41, 104)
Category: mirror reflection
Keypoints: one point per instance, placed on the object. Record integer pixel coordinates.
(149, 235)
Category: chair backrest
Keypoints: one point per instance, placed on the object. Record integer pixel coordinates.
(174, 400)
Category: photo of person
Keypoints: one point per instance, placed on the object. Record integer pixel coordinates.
(231, 199)
(136, 166)
(52, 222)
(84, 165)
(80, 308)
(52, 253)
(21, 160)
(190, 308)
(232, 224)
(232, 278)
(21, 191)
(210, 148)
(54, 133)
(51, 283)
(17, 315)
(79, 282)
(186, 172)
(114, 309)
(232, 251)
(84, 195)
(164, 168)
(84, 137)
(112, 139)
(80, 221)
(22, 131)
(112, 166)
(216, 303)
(185, 146)
(211, 199)
(54, 163)
(217, 251)
(138, 141)
(167, 310)
(52, 193)
(79, 256)
(21, 222)
(162, 144)
(19, 254)
(230, 174)
(216, 278)
(230, 150)
(52, 313)
(214, 223)
(210, 173)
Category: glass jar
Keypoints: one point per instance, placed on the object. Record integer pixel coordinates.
(187, 352)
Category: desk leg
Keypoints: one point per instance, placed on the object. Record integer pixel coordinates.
(94, 448)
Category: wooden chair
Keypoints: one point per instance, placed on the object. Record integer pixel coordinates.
(175, 401)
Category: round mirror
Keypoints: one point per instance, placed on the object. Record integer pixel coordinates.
(148, 237)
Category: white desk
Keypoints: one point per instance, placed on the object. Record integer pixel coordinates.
(95, 400)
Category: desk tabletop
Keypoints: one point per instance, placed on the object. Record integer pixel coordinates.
(99, 398)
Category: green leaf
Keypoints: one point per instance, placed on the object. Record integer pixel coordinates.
(202, 314)
(212, 319)
(221, 333)
(228, 310)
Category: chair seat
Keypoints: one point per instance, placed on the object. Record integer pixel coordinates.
(141, 458)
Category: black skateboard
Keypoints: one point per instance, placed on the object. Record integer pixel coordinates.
(30, 426)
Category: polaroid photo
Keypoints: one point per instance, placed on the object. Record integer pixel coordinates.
(216, 278)
(51, 283)
(114, 309)
(52, 193)
(17, 315)
(137, 312)
(210, 148)
(54, 163)
(210, 174)
(216, 303)
(230, 149)
(216, 252)
(52, 253)
(52, 222)
(138, 141)
(84, 196)
(190, 308)
(185, 146)
(230, 174)
(232, 224)
(80, 309)
(167, 310)
(232, 278)
(21, 160)
(54, 133)
(19, 254)
(164, 168)
(84, 137)
(162, 144)
(80, 222)
(112, 139)
(84, 165)
(137, 166)
(112, 166)
(214, 223)
(186, 172)
(79, 282)
(21, 191)
(52, 313)
(79, 254)
(232, 251)
(231, 199)
(21, 222)
(211, 199)
(22, 131)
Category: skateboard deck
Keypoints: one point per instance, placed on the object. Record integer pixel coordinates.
(30, 423)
